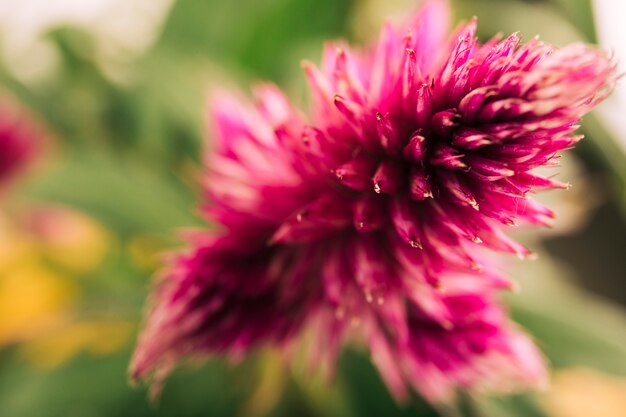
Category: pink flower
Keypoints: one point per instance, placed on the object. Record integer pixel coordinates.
(375, 220)
(18, 135)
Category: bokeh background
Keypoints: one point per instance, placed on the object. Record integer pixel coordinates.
(120, 87)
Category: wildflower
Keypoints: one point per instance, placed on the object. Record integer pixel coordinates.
(375, 220)
(17, 138)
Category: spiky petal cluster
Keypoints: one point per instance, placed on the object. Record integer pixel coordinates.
(18, 134)
(375, 220)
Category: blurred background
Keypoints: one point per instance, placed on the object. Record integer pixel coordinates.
(118, 87)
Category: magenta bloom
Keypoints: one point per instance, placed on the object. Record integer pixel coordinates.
(18, 134)
(374, 221)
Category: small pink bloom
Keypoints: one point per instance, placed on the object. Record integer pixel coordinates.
(375, 220)
(18, 136)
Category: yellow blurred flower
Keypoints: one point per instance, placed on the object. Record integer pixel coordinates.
(583, 392)
(68, 238)
(41, 257)
(15, 248)
(97, 337)
(32, 300)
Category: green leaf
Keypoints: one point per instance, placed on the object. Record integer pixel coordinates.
(573, 327)
(125, 195)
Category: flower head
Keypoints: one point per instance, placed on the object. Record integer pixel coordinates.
(375, 220)
(17, 139)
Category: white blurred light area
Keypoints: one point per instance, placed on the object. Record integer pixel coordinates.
(611, 28)
(121, 28)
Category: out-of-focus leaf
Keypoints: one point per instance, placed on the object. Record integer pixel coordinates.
(257, 35)
(528, 18)
(122, 193)
(572, 326)
(513, 406)
(581, 14)
(97, 387)
(368, 395)
(603, 149)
